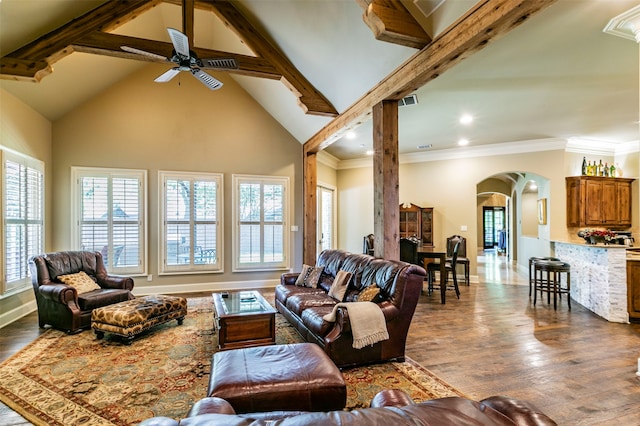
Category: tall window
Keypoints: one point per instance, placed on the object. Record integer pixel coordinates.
(325, 217)
(23, 218)
(191, 222)
(110, 216)
(260, 217)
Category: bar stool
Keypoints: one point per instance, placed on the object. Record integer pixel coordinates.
(550, 280)
(532, 275)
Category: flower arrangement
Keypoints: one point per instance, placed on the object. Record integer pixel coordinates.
(594, 235)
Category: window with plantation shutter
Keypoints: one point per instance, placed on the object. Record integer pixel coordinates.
(260, 217)
(191, 222)
(23, 218)
(111, 216)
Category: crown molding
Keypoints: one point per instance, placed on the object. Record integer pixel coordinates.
(595, 147)
(626, 25)
(466, 152)
(328, 159)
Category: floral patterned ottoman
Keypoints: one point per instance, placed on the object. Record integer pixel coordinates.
(132, 317)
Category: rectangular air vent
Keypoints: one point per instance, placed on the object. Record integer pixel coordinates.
(408, 100)
(224, 63)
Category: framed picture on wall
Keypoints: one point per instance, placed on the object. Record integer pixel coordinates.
(542, 211)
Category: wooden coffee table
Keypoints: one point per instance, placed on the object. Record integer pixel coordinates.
(243, 319)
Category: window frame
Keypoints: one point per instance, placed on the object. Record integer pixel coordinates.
(191, 267)
(24, 282)
(237, 266)
(77, 173)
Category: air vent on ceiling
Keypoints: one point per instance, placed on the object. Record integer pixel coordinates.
(408, 100)
(226, 63)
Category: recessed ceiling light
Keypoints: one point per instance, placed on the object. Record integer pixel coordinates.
(463, 142)
(351, 134)
(466, 119)
(370, 152)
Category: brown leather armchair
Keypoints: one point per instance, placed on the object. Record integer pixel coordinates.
(60, 305)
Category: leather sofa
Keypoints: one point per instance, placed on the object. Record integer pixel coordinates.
(400, 286)
(388, 407)
(59, 304)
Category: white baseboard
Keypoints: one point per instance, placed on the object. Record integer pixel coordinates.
(17, 313)
(202, 287)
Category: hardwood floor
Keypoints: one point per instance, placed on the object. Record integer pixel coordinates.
(575, 366)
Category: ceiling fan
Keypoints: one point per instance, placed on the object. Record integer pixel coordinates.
(187, 60)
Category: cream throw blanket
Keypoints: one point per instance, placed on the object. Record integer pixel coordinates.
(368, 325)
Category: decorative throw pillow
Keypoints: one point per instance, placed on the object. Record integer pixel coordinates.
(81, 281)
(339, 286)
(369, 294)
(306, 269)
(314, 277)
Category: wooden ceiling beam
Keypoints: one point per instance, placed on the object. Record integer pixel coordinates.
(187, 18)
(33, 61)
(310, 99)
(484, 23)
(390, 21)
(101, 43)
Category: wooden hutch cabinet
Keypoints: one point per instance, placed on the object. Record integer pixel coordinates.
(598, 201)
(417, 222)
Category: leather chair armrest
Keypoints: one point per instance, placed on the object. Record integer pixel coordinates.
(211, 405)
(289, 278)
(113, 281)
(521, 412)
(60, 293)
(391, 398)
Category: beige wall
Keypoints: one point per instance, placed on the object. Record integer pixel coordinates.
(450, 186)
(140, 124)
(25, 131)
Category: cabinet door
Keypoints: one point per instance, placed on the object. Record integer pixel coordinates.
(575, 202)
(624, 203)
(427, 226)
(609, 206)
(593, 203)
(633, 289)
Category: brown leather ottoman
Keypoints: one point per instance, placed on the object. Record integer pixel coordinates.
(132, 317)
(296, 377)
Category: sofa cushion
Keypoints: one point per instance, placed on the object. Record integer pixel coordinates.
(313, 277)
(283, 292)
(332, 261)
(99, 298)
(312, 319)
(306, 270)
(339, 286)
(301, 301)
(80, 281)
(369, 294)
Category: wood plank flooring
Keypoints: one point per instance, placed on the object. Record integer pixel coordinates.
(575, 366)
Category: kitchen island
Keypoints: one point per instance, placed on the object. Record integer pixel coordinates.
(598, 277)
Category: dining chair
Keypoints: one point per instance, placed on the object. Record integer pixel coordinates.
(449, 266)
(409, 250)
(462, 253)
(367, 246)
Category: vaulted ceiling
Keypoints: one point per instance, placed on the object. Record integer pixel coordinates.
(555, 76)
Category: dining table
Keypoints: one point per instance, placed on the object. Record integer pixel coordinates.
(430, 252)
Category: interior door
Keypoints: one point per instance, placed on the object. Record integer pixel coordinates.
(326, 228)
(493, 223)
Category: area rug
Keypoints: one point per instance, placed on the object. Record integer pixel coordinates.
(78, 380)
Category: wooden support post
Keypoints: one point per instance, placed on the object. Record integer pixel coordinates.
(385, 180)
(309, 237)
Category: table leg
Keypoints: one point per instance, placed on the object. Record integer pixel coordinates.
(443, 280)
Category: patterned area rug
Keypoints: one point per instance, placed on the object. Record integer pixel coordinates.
(78, 380)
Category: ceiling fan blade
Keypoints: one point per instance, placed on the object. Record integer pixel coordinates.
(219, 63)
(180, 42)
(144, 53)
(168, 75)
(206, 79)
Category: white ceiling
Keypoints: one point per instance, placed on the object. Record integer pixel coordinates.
(555, 76)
